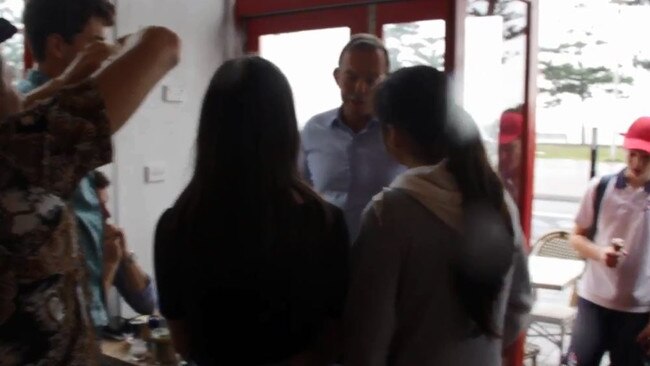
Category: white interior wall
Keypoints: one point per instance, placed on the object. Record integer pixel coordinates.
(162, 133)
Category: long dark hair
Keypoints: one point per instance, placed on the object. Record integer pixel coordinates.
(417, 100)
(245, 176)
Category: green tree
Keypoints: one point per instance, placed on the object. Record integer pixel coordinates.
(576, 78)
(640, 62)
(513, 13)
(414, 48)
(631, 2)
(636, 61)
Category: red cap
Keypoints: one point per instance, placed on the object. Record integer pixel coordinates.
(638, 135)
(511, 127)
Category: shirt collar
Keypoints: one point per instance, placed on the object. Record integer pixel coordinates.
(621, 182)
(338, 121)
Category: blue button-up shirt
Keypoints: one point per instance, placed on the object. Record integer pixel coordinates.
(347, 168)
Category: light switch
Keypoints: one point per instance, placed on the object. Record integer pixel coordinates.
(155, 172)
(173, 94)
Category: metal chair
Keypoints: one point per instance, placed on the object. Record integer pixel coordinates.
(554, 244)
(531, 351)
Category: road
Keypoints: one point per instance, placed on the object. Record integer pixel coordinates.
(559, 186)
(549, 215)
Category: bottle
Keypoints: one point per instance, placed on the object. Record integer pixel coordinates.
(154, 322)
(162, 347)
(140, 327)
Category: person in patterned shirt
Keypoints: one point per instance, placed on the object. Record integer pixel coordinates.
(44, 152)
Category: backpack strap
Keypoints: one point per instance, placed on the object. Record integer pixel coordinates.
(598, 199)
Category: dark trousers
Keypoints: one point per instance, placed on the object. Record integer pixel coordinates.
(598, 329)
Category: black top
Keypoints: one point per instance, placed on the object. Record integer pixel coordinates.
(247, 303)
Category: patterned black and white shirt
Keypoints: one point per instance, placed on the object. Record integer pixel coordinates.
(44, 152)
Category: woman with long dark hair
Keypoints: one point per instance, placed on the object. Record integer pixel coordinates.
(251, 264)
(438, 273)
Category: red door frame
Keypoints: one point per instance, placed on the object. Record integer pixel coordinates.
(279, 16)
(28, 59)
(257, 9)
(529, 144)
(355, 18)
(453, 12)
(412, 10)
(259, 18)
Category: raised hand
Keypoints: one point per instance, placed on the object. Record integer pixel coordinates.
(87, 62)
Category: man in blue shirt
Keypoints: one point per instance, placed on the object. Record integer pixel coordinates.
(343, 153)
(57, 31)
(120, 269)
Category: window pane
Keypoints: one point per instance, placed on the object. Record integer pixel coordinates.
(416, 43)
(594, 74)
(493, 81)
(308, 59)
(13, 49)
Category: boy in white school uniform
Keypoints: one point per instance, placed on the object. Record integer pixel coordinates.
(614, 292)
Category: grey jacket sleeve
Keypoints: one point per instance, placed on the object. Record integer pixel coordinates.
(370, 312)
(520, 295)
(303, 166)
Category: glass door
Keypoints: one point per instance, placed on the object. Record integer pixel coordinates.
(308, 59)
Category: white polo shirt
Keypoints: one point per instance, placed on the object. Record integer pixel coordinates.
(623, 214)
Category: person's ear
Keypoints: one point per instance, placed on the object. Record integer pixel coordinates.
(393, 139)
(337, 76)
(55, 46)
